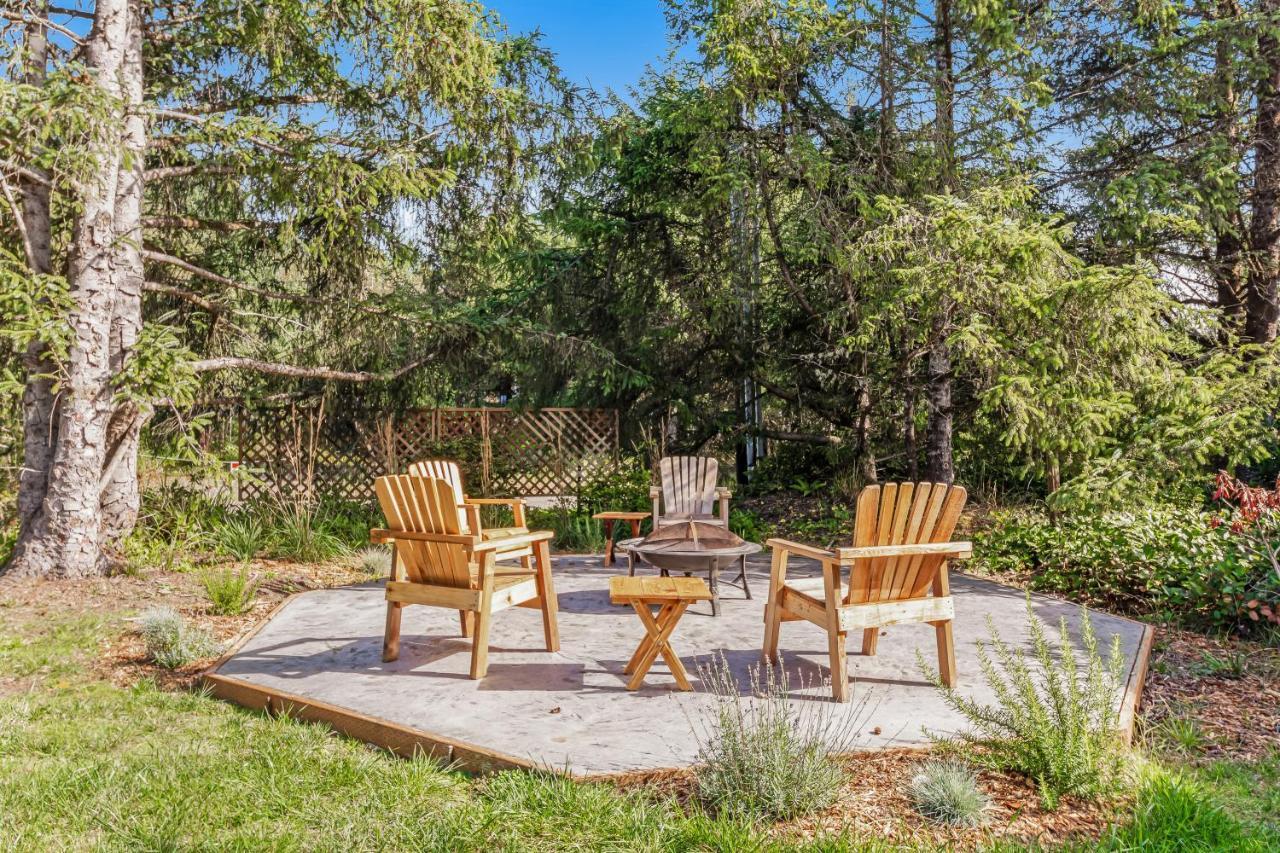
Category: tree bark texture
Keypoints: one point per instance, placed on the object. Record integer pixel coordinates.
(37, 395)
(63, 537)
(938, 443)
(1262, 310)
(120, 497)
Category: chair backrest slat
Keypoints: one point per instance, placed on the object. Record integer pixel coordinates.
(443, 469)
(901, 514)
(425, 505)
(688, 484)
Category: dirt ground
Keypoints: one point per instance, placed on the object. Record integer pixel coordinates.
(1225, 689)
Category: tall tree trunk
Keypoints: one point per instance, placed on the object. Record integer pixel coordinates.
(120, 496)
(939, 463)
(938, 441)
(1228, 245)
(63, 536)
(37, 395)
(909, 448)
(888, 107)
(1261, 308)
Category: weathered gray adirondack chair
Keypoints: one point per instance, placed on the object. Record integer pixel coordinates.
(688, 491)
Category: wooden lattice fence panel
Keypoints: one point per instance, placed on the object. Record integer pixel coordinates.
(306, 452)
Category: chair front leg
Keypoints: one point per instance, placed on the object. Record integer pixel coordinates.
(836, 638)
(547, 596)
(391, 633)
(484, 615)
(773, 609)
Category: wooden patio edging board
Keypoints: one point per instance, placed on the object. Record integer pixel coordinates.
(406, 741)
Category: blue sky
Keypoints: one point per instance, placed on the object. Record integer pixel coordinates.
(604, 43)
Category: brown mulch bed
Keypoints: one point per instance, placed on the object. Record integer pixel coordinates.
(1227, 688)
(875, 802)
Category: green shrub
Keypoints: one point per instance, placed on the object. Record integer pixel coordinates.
(1054, 722)
(230, 591)
(948, 792)
(298, 534)
(575, 531)
(241, 537)
(626, 489)
(348, 522)
(171, 642)
(760, 757)
(749, 525)
(1167, 561)
(375, 560)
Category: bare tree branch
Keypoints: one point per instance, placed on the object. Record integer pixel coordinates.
(232, 362)
(178, 115)
(25, 173)
(18, 219)
(190, 222)
(185, 295)
(162, 172)
(32, 19)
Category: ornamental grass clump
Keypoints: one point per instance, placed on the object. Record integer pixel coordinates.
(172, 642)
(374, 561)
(230, 591)
(1056, 719)
(762, 758)
(948, 792)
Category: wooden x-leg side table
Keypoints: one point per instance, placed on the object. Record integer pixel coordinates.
(672, 596)
(609, 518)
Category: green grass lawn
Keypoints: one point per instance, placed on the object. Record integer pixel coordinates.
(84, 764)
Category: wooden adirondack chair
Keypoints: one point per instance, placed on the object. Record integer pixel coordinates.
(435, 563)
(469, 508)
(688, 491)
(897, 573)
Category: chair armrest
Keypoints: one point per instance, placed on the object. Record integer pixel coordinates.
(722, 492)
(961, 550)
(801, 550)
(379, 535)
(508, 542)
(493, 501)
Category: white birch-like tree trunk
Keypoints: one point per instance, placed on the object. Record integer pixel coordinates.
(63, 536)
(120, 497)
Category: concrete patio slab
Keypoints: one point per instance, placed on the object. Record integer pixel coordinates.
(319, 657)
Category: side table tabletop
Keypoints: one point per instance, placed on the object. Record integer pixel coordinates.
(672, 597)
(609, 518)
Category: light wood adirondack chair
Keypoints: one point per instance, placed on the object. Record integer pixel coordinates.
(897, 573)
(436, 564)
(688, 490)
(469, 508)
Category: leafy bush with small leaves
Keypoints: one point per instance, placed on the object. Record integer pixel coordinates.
(1056, 722)
(748, 525)
(948, 792)
(1167, 561)
(172, 642)
(625, 489)
(230, 591)
(241, 537)
(762, 758)
(375, 560)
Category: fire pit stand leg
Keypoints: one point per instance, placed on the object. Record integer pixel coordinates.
(715, 586)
